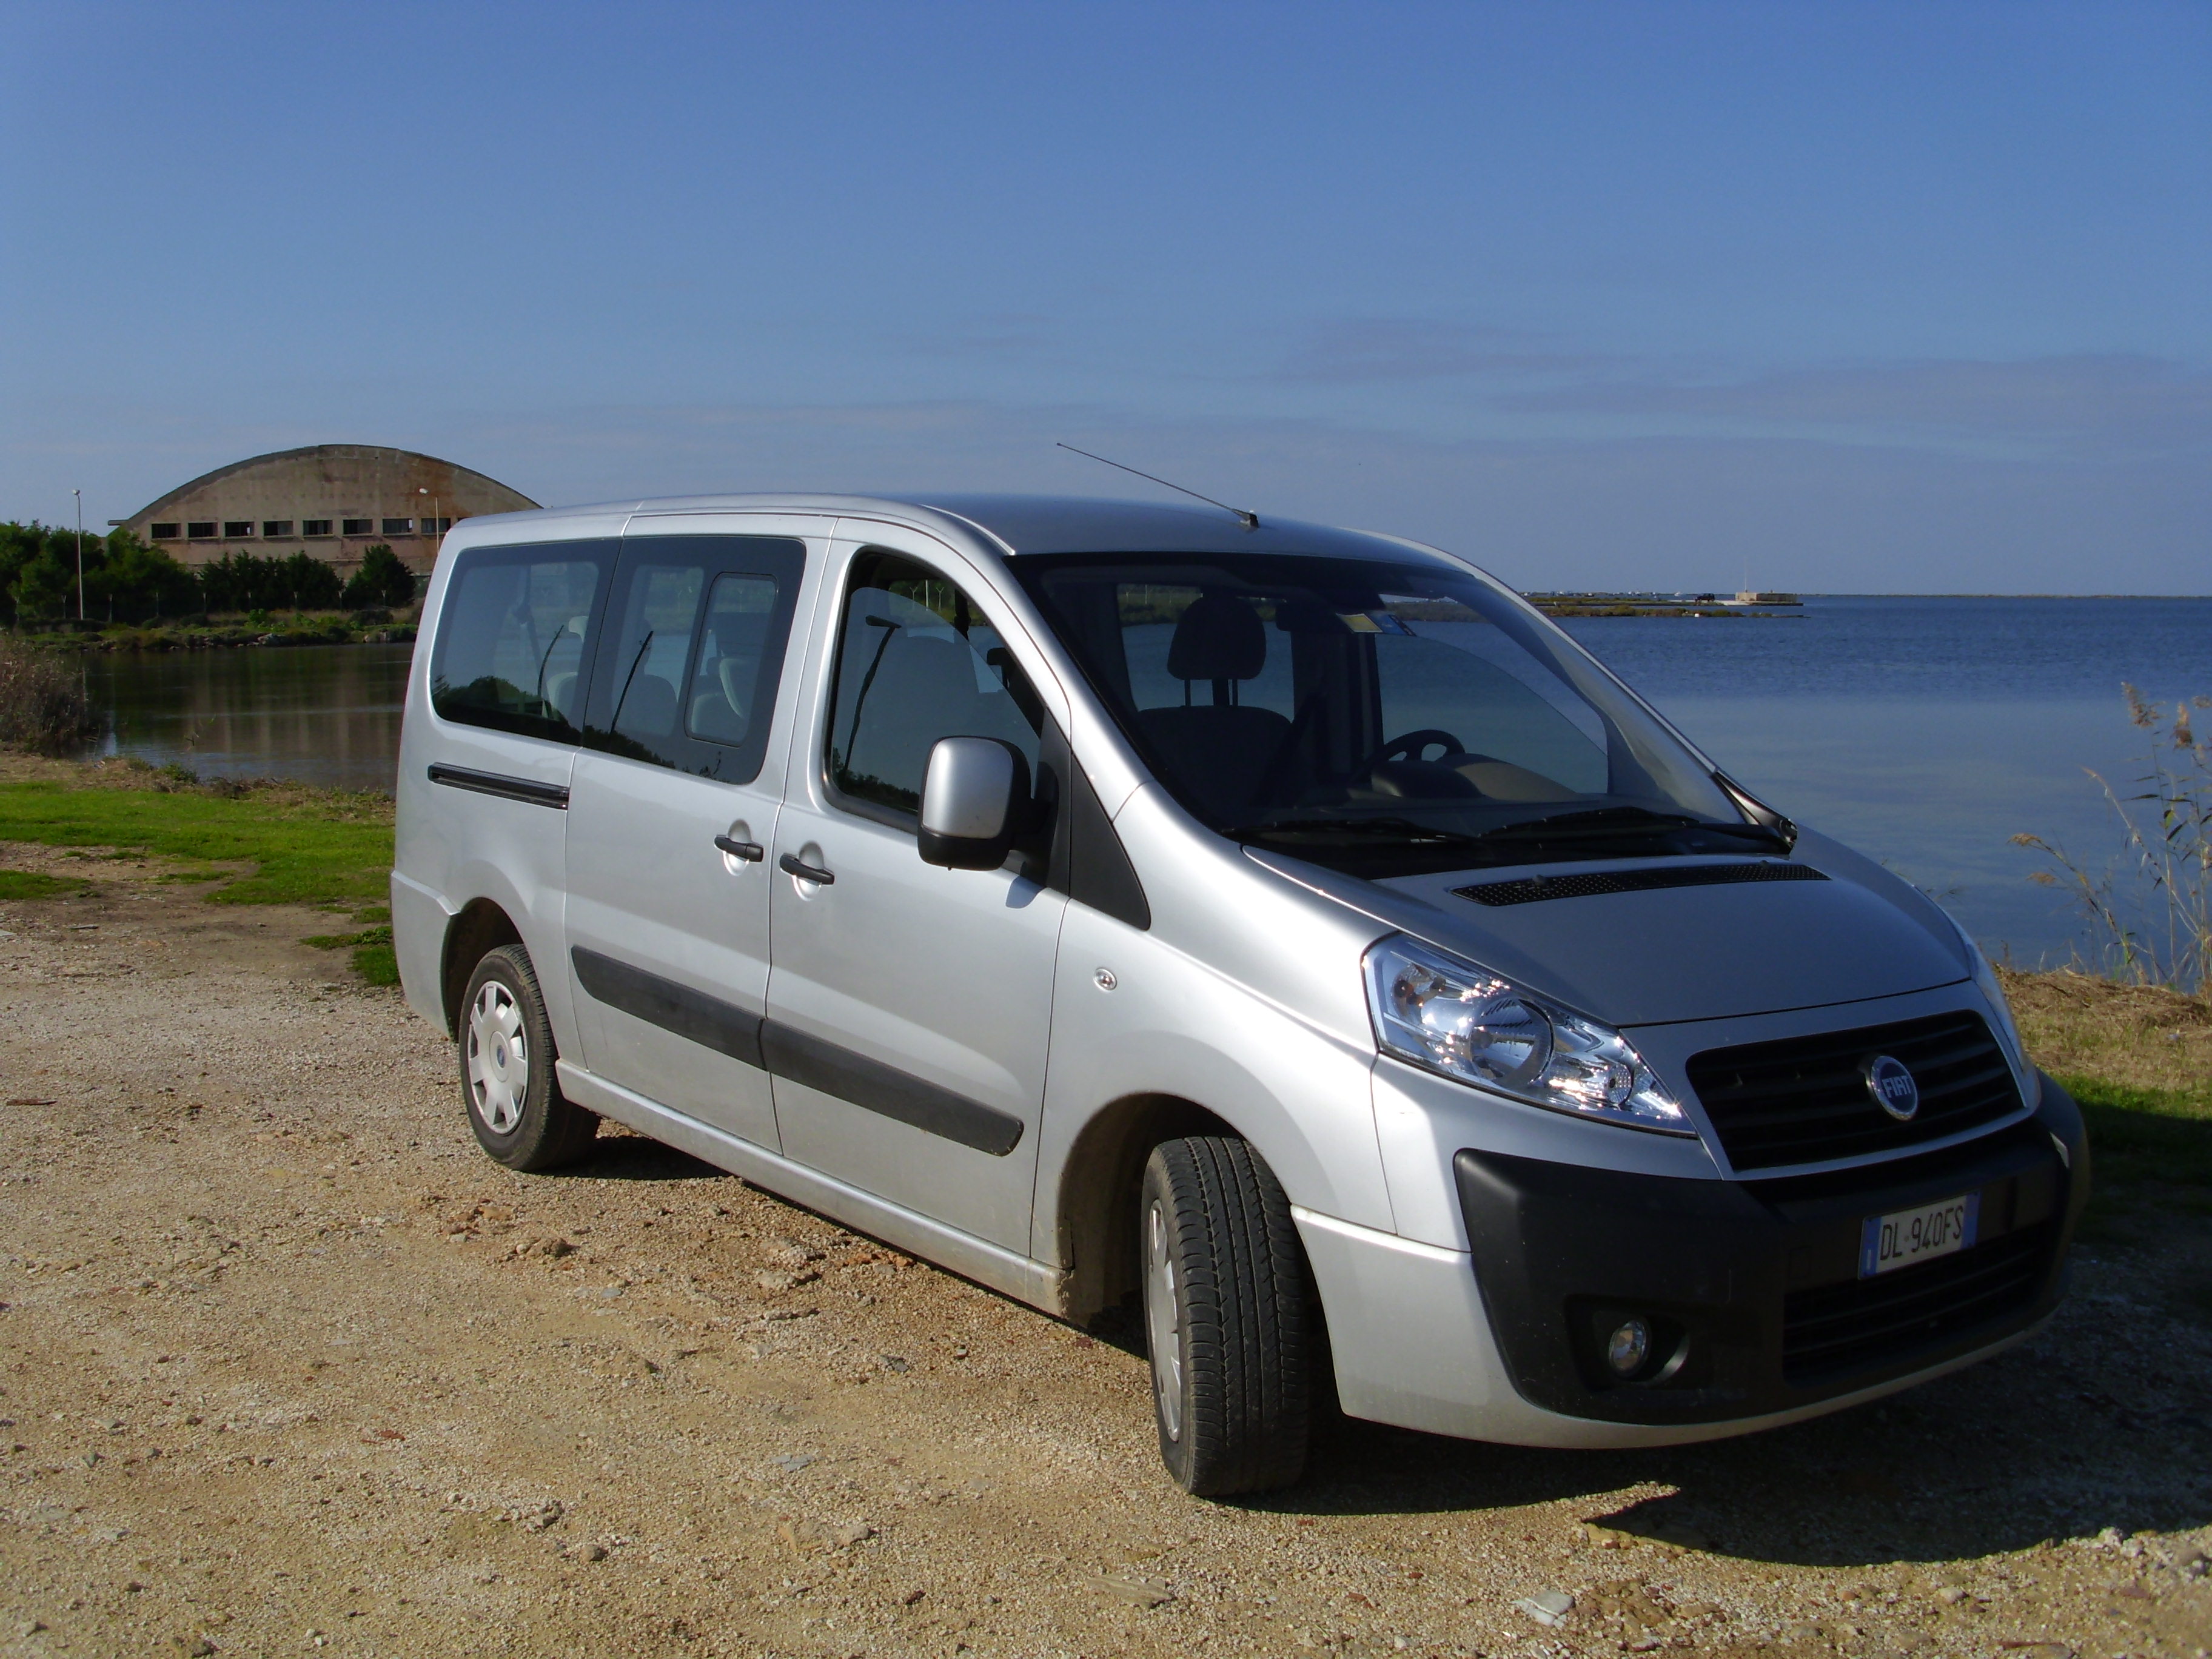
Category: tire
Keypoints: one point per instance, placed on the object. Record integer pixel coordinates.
(1226, 1320)
(506, 1044)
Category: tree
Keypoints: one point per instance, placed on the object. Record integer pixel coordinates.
(136, 583)
(381, 580)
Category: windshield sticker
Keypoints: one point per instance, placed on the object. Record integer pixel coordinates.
(1372, 621)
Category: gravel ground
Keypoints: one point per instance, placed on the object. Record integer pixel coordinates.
(286, 1364)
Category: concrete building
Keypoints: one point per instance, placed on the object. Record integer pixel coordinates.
(335, 501)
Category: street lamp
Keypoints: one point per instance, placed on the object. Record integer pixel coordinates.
(79, 494)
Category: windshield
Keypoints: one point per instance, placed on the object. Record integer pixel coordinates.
(1382, 719)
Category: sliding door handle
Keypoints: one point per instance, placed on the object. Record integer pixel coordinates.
(791, 864)
(745, 852)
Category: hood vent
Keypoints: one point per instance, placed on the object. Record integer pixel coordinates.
(1530, 889)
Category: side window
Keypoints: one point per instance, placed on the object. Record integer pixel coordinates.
(515, 636)
(917, 661)
(694, 646)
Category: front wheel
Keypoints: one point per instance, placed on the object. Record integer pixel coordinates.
(1226, 1322)
(515, 1104)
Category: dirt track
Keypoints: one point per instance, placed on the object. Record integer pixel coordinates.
(286, 1364)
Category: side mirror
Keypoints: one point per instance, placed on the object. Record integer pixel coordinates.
(971, 795)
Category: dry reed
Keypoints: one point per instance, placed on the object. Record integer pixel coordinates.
(43, 707)
(2149, 909)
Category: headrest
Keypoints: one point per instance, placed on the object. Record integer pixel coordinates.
(1220, 638)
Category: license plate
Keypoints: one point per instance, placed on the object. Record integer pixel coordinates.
(1887, 1243)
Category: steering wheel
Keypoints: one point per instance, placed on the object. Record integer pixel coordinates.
(1409, 747)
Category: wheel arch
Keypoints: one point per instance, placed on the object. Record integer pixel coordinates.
(1094, 1222)
(479, 926)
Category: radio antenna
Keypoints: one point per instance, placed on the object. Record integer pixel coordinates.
(1249, 521)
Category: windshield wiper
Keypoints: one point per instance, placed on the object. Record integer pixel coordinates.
(1611, 822)
(1402, 830)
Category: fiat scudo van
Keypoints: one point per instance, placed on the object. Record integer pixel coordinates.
(1286, 931)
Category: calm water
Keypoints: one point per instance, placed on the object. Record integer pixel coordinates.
(324, 714)
(1923, 731)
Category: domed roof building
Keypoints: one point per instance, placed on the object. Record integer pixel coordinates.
(335, 501)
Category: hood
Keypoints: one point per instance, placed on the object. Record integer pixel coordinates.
(1663, 954)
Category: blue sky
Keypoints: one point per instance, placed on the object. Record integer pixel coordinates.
(1842, 296)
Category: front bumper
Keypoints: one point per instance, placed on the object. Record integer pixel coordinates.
(1753, 1286)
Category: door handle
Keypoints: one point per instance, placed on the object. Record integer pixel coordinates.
(791, 864)
(745, 852)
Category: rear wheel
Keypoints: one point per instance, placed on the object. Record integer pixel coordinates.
(515, 1104)
(1226, 1322)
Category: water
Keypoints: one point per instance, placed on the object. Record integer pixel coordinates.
(327, 715)
(1924, 732)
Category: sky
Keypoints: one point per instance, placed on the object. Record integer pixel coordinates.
(1832, 297)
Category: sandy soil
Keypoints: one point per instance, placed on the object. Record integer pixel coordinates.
(286, 1364)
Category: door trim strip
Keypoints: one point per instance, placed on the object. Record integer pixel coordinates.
(795, 1055)
(705, 1020)
(876, 1087)
(554, 795)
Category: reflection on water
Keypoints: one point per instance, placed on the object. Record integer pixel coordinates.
(1923, 731)
(324, 713)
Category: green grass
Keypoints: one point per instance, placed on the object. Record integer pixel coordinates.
(2138, 1135)
(298, 847)
(372, 957)
(30, 884)
(305, 849)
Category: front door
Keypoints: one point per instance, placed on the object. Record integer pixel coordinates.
(672, 813)
(910, 1006)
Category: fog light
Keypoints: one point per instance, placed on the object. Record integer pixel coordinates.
(1628, 1347)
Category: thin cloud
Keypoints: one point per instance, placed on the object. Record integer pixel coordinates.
(1382, 349)
(2138, 403)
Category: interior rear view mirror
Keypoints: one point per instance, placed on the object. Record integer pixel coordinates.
(971, 798)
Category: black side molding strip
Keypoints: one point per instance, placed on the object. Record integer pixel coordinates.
(868, 1084)
(692, 1014)
(493, 783)
(884, 1089)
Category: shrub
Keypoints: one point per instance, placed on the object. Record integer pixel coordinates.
(381, 580)
(43, 706)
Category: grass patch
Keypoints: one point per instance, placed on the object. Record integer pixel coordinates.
(306, 846)
(372, 957)
(2138, 1135)
(31, 885)
(299, 846)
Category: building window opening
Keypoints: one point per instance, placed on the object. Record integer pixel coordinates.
(237, 530)
(166, 532)
(399, 526)
(275, 530)
(314, 527)
(361, 526)
(436, 526)
(200, 530)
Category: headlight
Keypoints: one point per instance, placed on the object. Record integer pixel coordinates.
(1452, 1016)
(1986, 979)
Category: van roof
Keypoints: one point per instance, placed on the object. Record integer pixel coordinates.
(1054, 524)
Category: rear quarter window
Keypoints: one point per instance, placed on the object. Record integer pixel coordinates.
(515, 638)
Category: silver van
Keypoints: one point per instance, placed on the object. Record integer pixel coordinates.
(1285, 931)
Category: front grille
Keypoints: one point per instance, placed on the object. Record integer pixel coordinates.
(1866, 1323)
(1805, 1100)
(1529, 889)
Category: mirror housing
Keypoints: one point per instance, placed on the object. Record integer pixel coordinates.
(972, 794)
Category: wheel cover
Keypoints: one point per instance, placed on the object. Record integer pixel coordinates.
(1162, 1324)
(498, 1059)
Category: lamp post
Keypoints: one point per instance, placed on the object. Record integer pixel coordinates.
(79, 494)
